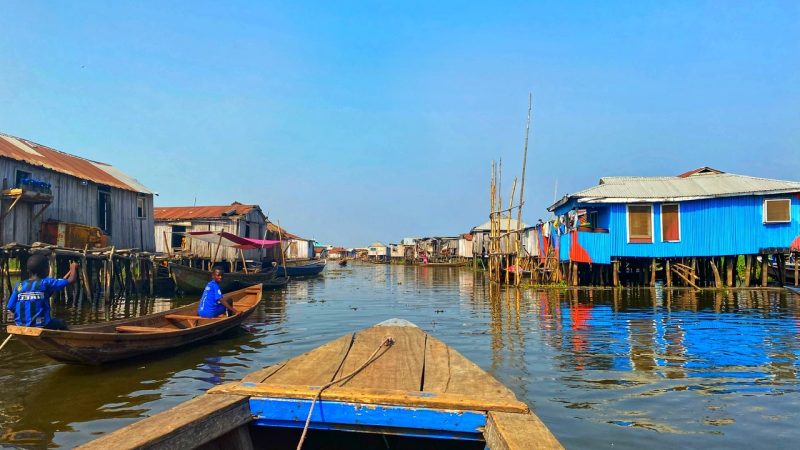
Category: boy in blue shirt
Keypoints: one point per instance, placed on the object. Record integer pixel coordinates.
(30, 300)
(212, 304)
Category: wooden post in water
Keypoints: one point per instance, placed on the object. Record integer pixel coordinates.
(764, 270)
(748, 262)
(653, 272)
(717, 279)
(796, 267)
(153, 274)
(667, 273)
(87, 288)
(730, 261)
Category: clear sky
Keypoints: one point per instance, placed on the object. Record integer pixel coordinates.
(364, 121)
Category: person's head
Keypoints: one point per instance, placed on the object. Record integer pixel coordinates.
(38, 265)
(216, 274)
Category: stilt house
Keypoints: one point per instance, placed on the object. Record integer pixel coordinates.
(700, 213)
(171, 222)
(43, 188)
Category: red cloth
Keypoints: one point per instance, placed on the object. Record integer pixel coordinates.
(795, 247)
(231, 240)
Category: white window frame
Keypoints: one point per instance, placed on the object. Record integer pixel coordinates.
(628, 222)
(680, 232)
(764, 210)
(140, 200)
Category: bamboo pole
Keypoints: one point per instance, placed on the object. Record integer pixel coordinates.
(216, 252)
(244, 263)
(508, 226)
(283, 257)
(522, 185)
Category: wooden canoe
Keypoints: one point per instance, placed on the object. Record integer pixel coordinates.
(342, 263)
(193, 280)
(418, 390)
(443, 264)
(302, 268)
(111, 341)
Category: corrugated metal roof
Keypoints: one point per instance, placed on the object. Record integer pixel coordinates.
(284, 234)
(170, 213)
(504, 225)
(42, 156)
(693, 187)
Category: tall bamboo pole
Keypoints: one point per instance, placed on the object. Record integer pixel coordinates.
(522, 184)
(508, 224)
(283, 257)
(488, 245)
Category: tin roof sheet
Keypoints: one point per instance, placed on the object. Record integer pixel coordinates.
(692, 187)
(170, 213)
(504, 225)
(42, 156)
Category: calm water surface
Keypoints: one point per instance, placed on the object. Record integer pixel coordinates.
(645, 368)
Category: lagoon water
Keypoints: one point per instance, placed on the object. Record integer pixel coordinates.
(648, 368)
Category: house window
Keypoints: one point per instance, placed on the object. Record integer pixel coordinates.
(177, 236)
(670, 222)
(141, 213)
(640, 223)
(247, 229)
(777, 210)
(104, 209)
(20, 175)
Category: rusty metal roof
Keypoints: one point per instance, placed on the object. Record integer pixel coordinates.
(171, 213)
(42, 156)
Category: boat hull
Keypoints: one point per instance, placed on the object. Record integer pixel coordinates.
(302, 269)
(379, 397)
(100, 343)
(193, 280)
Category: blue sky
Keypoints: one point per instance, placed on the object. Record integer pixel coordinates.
(363, 121)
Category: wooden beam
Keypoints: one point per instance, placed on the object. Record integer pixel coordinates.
(717, 279)
(748, 261)
(764, 270)
(375, 396)
(187, 425)
(509, 431)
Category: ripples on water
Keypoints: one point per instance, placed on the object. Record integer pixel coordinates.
(646, 368)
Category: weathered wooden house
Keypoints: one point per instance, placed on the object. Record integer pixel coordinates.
(704, 213)
(171, 222)
(44, 185)
(480, 235)
(294, 247)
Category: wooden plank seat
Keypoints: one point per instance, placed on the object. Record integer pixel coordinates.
(139, 329)
(193, 321)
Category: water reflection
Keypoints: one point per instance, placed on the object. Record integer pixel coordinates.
(634, 368)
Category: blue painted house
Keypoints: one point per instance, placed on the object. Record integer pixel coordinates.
(701, 213)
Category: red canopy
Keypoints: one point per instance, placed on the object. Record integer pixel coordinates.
(226, 239)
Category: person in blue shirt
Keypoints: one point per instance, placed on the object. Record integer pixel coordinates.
(212, 304)
(30, 300)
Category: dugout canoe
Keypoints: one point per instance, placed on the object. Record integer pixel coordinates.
(415, 393)
(100, 343)
(442, 264)
(302, 268)
(193, 280)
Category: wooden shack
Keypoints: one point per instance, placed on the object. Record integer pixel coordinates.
(41, 185)
(171, 222)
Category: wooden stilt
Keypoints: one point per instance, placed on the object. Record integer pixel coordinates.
(730, 261)
(615, 273)
(764, 270)
(653, 272)
(717, 279)
(667, 273)
(796, 267)
(748, 262)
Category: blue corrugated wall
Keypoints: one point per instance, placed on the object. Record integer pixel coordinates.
(598, 245)
(711, 227)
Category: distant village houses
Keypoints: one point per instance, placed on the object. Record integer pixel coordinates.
(45, 190)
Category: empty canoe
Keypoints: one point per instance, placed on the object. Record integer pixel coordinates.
(193, 280)
(391, 386)
(111, 341)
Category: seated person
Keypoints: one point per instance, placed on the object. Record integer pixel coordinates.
(212, 304)
(30, 300)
